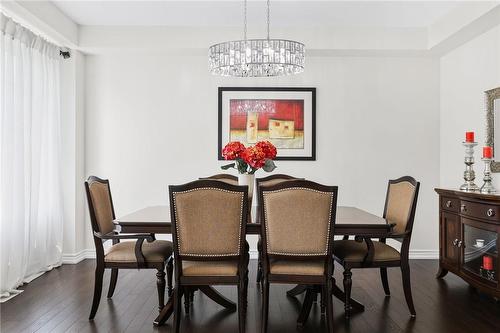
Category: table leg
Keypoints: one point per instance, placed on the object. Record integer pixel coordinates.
(339, 293)
(306, 306)
(297, 290)
(217, 297)
(165, 313)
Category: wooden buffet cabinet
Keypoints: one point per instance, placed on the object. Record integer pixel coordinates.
(469, 225)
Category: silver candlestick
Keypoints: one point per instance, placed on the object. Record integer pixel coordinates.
(469, 174)
(487, 186)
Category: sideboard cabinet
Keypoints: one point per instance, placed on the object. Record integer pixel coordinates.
(469, 225)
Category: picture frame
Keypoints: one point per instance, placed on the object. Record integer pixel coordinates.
(284, 116)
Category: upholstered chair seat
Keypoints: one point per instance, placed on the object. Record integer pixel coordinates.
(154, 252)
(353, 251)
(210, 268)
(313, 267)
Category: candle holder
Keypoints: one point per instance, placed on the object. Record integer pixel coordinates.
(487, 186)
(469, 174)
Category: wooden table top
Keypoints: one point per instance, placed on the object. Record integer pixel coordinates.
(349, 221)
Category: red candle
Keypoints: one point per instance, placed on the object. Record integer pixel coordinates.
(488, 263)
(469, 136)
(487, 152)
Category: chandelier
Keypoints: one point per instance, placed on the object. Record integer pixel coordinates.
(256, 57)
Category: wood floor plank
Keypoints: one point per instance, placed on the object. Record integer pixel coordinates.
(59, 301)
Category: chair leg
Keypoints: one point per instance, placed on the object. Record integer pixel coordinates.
(99, 272)
(347, 291)
(177, 308)
(259, 261)
(160, 284)
(170, 272)
(385, 281)
(187, 299)
(329, 304)
(324, 291)
(241, 305)
(112, 282)
(405, 274)
(265, 305)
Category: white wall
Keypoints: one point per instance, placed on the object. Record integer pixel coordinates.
(151, 120)
(466, 73)
(72, 155)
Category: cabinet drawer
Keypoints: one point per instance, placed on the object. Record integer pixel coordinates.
(480, 211)
(450, 204)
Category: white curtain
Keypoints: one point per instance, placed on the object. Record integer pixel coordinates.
(31, 211)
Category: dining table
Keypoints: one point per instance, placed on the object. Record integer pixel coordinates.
(350, 221)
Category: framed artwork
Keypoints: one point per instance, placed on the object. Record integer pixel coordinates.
(284, 116)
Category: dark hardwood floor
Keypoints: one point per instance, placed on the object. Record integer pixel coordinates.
(59, 301)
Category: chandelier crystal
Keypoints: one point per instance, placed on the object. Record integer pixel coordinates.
(256, 57)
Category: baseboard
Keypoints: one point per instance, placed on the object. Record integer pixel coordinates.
(424, 254)
(75, 258)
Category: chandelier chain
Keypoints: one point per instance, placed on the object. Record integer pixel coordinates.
(268, 17)
(245, 20)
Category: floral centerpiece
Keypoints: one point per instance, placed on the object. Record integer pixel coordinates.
(247, 160)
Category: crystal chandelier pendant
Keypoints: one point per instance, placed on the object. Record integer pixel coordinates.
(256, 57)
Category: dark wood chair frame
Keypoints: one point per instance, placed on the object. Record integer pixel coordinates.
(258, 182)
(403, 262)
(221, 176)
(185, 284)
(325, 282)
(115, 237)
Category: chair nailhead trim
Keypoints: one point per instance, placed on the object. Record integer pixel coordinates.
(329, 220)
(241, 222)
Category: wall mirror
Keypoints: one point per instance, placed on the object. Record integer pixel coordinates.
(493, 125)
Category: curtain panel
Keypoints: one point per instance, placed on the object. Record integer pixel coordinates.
(31, 211)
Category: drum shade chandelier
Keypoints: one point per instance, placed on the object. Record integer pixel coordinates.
(256, 57)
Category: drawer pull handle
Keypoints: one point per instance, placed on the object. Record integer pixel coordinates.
(459, 244)
(490, 212)
(455, 242)
(463, 208)
(448, 204)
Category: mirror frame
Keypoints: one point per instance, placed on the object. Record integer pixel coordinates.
(490, 97)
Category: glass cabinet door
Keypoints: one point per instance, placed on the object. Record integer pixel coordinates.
(480, 252)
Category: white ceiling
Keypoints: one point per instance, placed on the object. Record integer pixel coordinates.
(283, 13)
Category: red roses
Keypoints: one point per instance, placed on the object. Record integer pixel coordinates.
(250, 159)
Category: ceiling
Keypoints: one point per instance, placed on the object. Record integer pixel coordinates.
(283, 13)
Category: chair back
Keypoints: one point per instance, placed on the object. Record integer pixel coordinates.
(224, 177)
(298, 218)
(102, 212)
(209, 219)
(401, 203)
(272, 180)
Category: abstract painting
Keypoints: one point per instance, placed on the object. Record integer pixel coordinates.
(283, 116)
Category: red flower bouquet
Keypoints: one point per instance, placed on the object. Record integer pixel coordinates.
(250, 159)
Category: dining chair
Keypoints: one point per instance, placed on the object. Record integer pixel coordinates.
(223, 177)
(400, 206)
(267, 181)
(152, 254)
(297, 220)
(208, 228)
